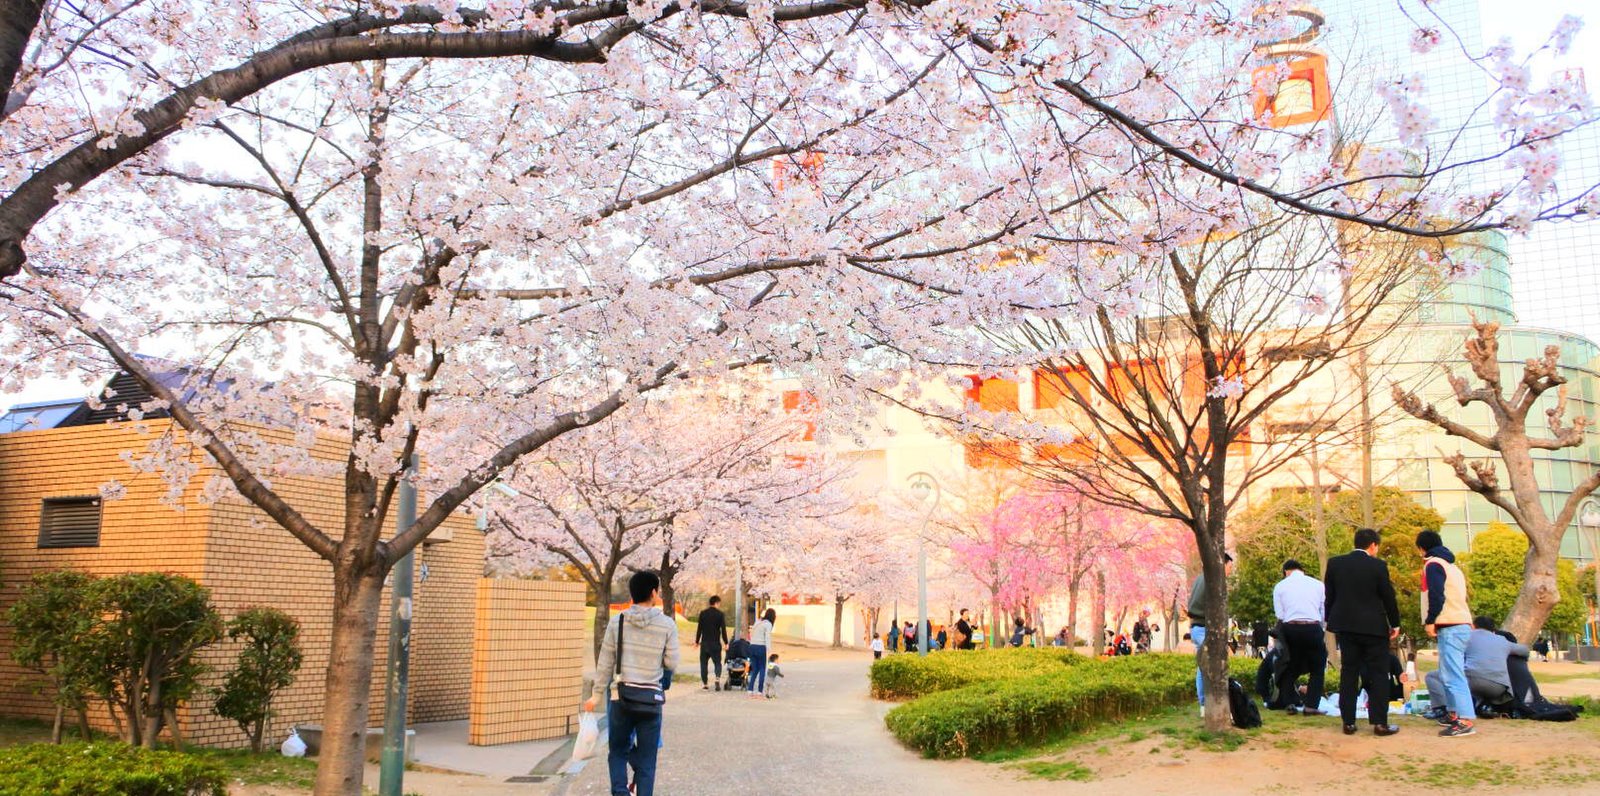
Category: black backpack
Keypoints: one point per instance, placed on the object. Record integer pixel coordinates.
(1245, 714)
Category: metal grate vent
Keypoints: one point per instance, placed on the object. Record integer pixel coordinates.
(70, 522)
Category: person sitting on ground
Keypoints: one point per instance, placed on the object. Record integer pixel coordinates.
(1524, 691)
(1488, 676)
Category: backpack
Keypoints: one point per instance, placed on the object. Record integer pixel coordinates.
(1245, 714)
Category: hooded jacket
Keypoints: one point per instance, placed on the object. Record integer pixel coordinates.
(1444, 590)
(649, 648)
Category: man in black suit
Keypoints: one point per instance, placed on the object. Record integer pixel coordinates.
(1364, 617)
(710, 634)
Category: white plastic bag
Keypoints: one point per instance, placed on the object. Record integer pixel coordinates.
(588, 736)
(293, 746)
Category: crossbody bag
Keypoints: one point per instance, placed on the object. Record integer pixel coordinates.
(638, 699)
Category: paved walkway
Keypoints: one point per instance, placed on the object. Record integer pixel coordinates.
(443, 744)
(823, 735)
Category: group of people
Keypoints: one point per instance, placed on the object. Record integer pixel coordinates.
(962, 635)
(638, 654)
(1356, 602)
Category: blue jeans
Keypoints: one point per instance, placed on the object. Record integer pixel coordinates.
(1198, 634)
(755, 680)
(634, 740)
(1453, 669)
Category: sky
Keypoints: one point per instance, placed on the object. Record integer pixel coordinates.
(1555, 276)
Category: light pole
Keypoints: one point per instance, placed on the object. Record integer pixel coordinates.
(923, 485)
(1589, 519)
(392, 759)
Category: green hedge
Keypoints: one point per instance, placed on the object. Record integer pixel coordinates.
(909, 676)
(106, 769)
(1027, 711)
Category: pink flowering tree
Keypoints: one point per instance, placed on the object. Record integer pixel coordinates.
(654, 488)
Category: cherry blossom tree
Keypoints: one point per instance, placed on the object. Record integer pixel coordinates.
(654, 487)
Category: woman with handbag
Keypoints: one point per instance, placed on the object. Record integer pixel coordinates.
(760, 641)
(638, 651)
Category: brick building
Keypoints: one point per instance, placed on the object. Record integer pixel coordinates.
(51, 517)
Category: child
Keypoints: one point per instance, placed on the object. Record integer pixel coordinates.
(773, 673)
(877, 648)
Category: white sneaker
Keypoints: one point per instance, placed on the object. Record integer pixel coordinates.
(1202, 711)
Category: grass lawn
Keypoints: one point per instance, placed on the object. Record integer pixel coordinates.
(243, 767)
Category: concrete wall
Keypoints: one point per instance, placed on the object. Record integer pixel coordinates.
(527, 660)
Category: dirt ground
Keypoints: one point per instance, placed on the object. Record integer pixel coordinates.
(825, 736)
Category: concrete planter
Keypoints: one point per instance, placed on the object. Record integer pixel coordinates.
(312, 735)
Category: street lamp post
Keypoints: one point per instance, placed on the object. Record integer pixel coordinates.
(923, 485)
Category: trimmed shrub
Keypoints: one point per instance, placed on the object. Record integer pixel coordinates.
(267, 664)
(106, 769)
(909, 676)
(1032, 710)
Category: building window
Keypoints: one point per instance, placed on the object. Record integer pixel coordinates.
(70, 522)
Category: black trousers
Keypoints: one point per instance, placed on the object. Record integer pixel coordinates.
(1522, 684)
(1364, 657)
(1308, 654)
(711, 653)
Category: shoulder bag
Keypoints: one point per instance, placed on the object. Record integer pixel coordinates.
(640, 700)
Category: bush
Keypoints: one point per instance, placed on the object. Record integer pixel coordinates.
(141, 650)
(50, 621)
(1032, 710)
(106, 769)
(910, 676)
(267, 664)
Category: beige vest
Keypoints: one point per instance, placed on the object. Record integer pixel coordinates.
(1455, 610)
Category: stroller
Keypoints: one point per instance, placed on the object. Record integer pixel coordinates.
(737, 665)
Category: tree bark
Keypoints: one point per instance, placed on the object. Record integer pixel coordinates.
(1098, 624)
(55, 726)
(1539, 594)
(838, 622)
(669, 596)
(602, 617)
(18, 18)
(347, 710)
(1073, 587)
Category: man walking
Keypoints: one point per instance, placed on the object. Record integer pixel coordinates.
(635, 672)
(1446, 617)
(1362, 613)
(711, 635)
(1197, 626)
(1297, 601)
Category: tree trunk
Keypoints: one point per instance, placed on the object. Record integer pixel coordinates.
(1073, 587)
(83, 724)
(347, 711)
(152, 715)
(256, 734)
(668, 595)
(994, 621)
(55, 726)
(1214, 655)
(602, 617)
(18, 18)
(172, 726)
(1098, 624)
(838, 622)
(1538, 595)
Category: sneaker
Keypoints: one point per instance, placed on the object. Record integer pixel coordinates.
(1446, 720)
(1458, 730)
(704, 687)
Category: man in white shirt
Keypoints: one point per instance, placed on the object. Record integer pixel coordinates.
(1297, 601)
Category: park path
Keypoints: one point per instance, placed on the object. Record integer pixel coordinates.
(822, 735)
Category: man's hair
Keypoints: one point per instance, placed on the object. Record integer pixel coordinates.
(1365, 538)
(714, 600)
(1227, 558)
(1484, 623)
(1291, 565)
(964, 612)
(1427, 540)
(772, 657)
(643, 584)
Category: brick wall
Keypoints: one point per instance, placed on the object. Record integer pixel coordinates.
(137, 533)
(244, 558)
(527, 671)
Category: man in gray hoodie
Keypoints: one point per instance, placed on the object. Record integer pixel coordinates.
(649, 654)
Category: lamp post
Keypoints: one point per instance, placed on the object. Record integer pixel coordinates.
(1589, 520)
(392, 760)
(923, 485)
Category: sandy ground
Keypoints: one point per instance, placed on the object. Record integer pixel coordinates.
(823, 735)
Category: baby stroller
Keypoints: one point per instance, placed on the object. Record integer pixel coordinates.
(737, 665)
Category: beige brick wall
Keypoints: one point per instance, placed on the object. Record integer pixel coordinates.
(243, 557)
(527, 671)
